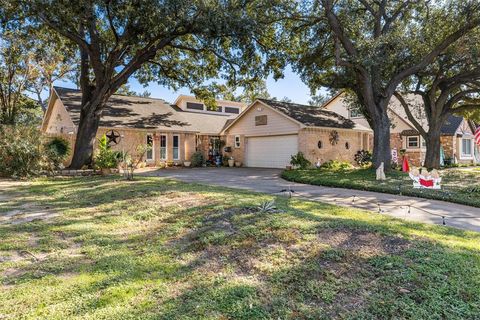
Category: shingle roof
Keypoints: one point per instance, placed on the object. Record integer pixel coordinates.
(312, 116)
(450, 126)
(144, 113)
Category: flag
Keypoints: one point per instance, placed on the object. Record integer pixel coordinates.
(405, 166)
(477, 136)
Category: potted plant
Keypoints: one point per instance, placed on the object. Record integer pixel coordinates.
(238, 164)
(231, 162)
(187, 163)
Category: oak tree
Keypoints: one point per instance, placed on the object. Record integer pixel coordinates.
(177, 43)
(371, 46)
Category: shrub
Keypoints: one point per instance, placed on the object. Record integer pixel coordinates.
(335, 165)
(363, 158)
(197, 159)
(106, 158)
(21, 151)
(299, 161)
(57, 150)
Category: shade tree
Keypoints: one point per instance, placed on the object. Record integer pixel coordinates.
(176, 43)
(370, 47)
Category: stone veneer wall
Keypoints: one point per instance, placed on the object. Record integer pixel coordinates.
(449, 146)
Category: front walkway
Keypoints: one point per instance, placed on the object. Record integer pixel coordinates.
(269, 181)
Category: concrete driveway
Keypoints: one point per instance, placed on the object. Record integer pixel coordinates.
(269, 181)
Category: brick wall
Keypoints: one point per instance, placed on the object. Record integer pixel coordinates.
(308, 144)
(134, 137)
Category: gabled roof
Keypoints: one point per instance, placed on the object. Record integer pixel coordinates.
(143, 113)
(312, 116)
(451, 125)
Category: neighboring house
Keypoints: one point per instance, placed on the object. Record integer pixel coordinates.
(457, 132)
(265, 134)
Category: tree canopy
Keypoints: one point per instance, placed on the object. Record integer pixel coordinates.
(370, 47)
(176, 43)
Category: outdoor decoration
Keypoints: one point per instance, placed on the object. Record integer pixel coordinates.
(334, 137)
(319, 144)
(405, 165)
(425, 179)
(381, 172)
(114, 137)
(347, 145)
(394, 156)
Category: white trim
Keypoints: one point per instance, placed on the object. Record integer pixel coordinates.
(464, 156)
(407, 141)
(153, 147)
(235, 141)
(266, 105)
(160, 147)
(173, 147)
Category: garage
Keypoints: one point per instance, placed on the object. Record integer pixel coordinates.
(270, 151)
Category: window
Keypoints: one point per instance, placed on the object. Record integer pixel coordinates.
(424, 143)
(232, 110)
(467, 147)
(261, 120)
(149, 147)
(237, 141)
(412, 142)
(354, 113)
(219, 109)
(194, 106)
(163, 147)
(176, 144)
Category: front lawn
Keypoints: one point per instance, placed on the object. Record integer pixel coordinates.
(459, 186)
(160, 249)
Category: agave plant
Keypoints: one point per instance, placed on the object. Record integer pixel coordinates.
(267, 206)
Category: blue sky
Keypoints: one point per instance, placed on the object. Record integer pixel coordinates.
(290, 86)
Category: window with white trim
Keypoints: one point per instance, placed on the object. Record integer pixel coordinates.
(176, 147)
(467, 147)
(163, 147)
(412, 142)
(237, 142)
(149, 147)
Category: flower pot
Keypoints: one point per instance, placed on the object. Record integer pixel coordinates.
(187, 163)
(238, 164)
(231, 162)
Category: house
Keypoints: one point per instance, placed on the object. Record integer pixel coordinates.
(264, 134)
(268, 132)
(457, 133)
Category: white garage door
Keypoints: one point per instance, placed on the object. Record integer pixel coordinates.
(271, 152)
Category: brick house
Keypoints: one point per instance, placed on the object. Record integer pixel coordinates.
(264, 134)
(457, 133)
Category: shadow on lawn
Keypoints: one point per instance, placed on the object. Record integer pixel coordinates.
(219, 259)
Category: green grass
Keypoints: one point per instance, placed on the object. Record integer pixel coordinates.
(160, 249)
(457, 186)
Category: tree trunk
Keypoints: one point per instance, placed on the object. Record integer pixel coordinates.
(381, 141)
(87, 131)
(432, 156)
